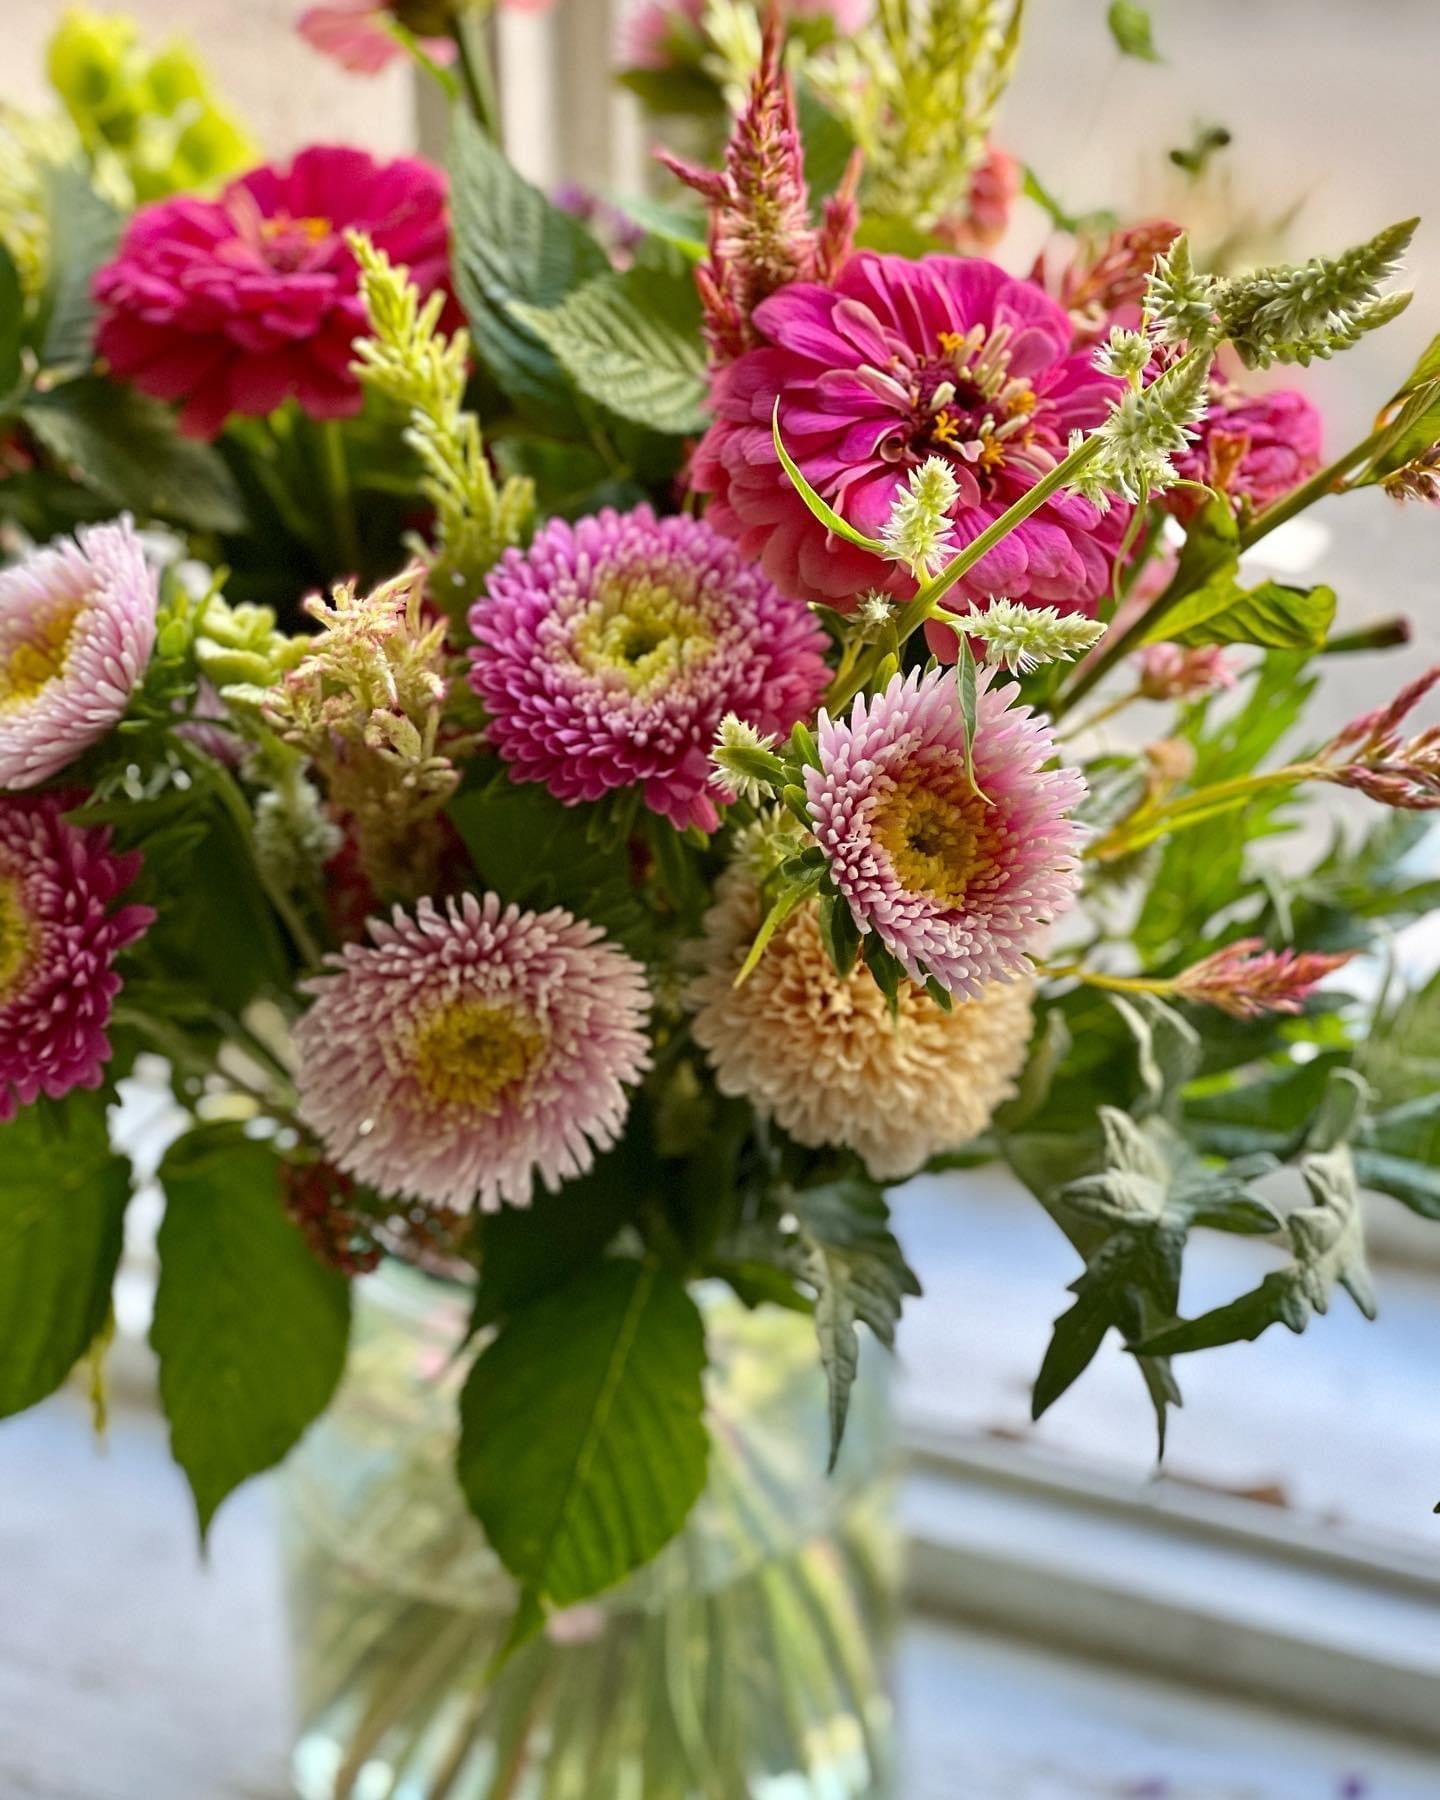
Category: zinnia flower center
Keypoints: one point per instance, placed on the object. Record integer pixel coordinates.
(932, 827)
(968, 403)
(17, 937)
(28, 667)
(640, 630)
(471, 1054)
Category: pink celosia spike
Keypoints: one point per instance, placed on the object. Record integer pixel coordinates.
(1246, 980)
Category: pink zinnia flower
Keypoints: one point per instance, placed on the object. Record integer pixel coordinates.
(77, 625)
(1255, 448)
(900, 361)
(236, 304)
(352, 33)
(955, 883)
(608, 653)
(459, 1053)
(59, 937)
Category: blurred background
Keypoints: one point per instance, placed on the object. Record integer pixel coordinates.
(1280, 1584)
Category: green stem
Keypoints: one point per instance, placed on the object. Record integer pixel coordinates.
(234, 803)
(1192, 809)
(1108, 711)
(473, 60)
(1115, 984)
(1326, 482)
(926, 603)
(336, 473)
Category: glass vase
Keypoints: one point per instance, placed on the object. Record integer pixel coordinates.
(749, 1659)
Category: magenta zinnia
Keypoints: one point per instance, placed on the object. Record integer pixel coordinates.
(77, 625)
(461, 1052)
(1253, 448)
(60, 933)
(897, 362)
(955, 882)
(236, 304)
(608, 653)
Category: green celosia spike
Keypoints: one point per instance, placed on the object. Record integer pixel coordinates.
(1296, 312)
(407, 358)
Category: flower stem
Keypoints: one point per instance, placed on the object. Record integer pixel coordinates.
(1116, 984)
(337, 491)
(926, 603)
(473, 60)
(1192, 809)
(1328, 481)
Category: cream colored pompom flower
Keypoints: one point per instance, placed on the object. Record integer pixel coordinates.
(820, 1055)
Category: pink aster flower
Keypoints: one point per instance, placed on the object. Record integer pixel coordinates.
(1254, 448)
(458, 1053)
(608, 653)
(77, 625)
(60, 933)
(236, 304)
(955, 883)
(897, 362)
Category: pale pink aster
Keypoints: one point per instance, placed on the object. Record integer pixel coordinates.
(60, 933)
(1173, 672)
(955, 883)
(894, 363)
(77, 626)
(462, 1052)
(609, 651)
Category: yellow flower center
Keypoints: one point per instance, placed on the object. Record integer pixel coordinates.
(472, 1054)
(932, 827)
(28, 667)
(17, 937)
(641, 632)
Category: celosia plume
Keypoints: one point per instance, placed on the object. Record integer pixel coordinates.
(462, 1052)
(60, 932)
(1247, 981)
(1371, 756)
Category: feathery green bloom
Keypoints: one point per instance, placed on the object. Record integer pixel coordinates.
(919, 531)
(1021, 638)
(1126, 355)
(1179, 303)
(745, 764)
(1146, 427)
(408, 359)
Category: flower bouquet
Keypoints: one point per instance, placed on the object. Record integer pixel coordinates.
(583, 751)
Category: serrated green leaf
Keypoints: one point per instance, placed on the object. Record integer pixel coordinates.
(632, 342)
(844, 1248)
(682, 229)
(512, 247)
(611, 1365)
(1131, 29)
(526, 1252)
(1270, 615)
(84, 230)
(63, 1193)
(1167, 1049)
(126, 447)
(250, 1328)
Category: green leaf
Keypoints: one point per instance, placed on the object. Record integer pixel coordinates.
(827, 143)
(791, 894)
(582, 1440)
(250, 1328)
(1270, 615)
(1327, 1245)
(821, 509)
(526, 1252)
(1167, 1048)
(631, 342)
(125, 446)
(839, 933)
(965, 687)
(677, 226)
(84, 230)
(63, 1193)
(843, 1247)
(513, 248)
(12, 326)
(1130, 27)
(1398, 1152)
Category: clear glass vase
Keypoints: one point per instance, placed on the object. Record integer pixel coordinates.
(750, 1659)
